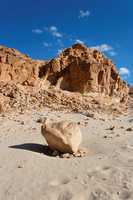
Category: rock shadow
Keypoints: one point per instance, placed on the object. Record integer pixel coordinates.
(38, 148)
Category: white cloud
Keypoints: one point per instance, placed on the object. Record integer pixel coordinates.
(46, 44)
(112, 53)
(37, 31)
(60, 42)
(53, 30)
(84, 13)
(124, 71)
(79, 41)
(105, 48)
(59, 51)
(57, 34)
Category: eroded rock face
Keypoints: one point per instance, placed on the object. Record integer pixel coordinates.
(82, 69)
(4, 103)
(64, 136)
(76, 72)
(131, 91)
(18, 67)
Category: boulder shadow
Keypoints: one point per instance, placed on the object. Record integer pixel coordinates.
(38, 148)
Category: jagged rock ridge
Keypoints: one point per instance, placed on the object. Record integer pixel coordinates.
(24, 81)
(131, 90)
(18, 67)
(82, 69)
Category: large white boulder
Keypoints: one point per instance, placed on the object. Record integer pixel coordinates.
(64, 136)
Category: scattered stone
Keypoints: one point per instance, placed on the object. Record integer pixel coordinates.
(91, 115)
(3, 115)
(111, 128)
(55, 153)
(22, 123)
(85, 123)
(81, 152)
(64, 136)
(40, 120)
(122, 127)
(19, 166)
(102, 119)
(66, 155)
(87, 119)
(130, 120)
(129, 129)
(77, 154)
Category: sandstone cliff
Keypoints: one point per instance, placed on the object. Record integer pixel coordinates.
(18, 67)
(131, 90)
(74, 80)
(82, 69)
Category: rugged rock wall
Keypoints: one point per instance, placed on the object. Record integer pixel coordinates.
(76, 69)
(18, 67)
(131, 91)
(82, 69)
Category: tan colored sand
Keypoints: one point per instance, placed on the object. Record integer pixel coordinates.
(27, 172)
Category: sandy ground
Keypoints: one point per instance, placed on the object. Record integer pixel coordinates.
(28, 173)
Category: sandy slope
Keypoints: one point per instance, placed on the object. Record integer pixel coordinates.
(27, 173)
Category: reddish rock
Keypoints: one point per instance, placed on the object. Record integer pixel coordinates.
(131, 91)
(63, 82)
(18, 67)
(82, 69)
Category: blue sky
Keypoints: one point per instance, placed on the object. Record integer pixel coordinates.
(41, 28)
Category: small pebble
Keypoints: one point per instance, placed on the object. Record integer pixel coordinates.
(22, 123)
(20, 166)
(111, 128)
(40, 120)
(129, 129)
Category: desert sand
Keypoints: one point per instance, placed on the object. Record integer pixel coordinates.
(80, 85)
(28, 172)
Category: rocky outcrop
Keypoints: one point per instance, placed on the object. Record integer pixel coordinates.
(18, 67)
(82, 69)
(74, 80)
(131, 91)
(64, 136)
